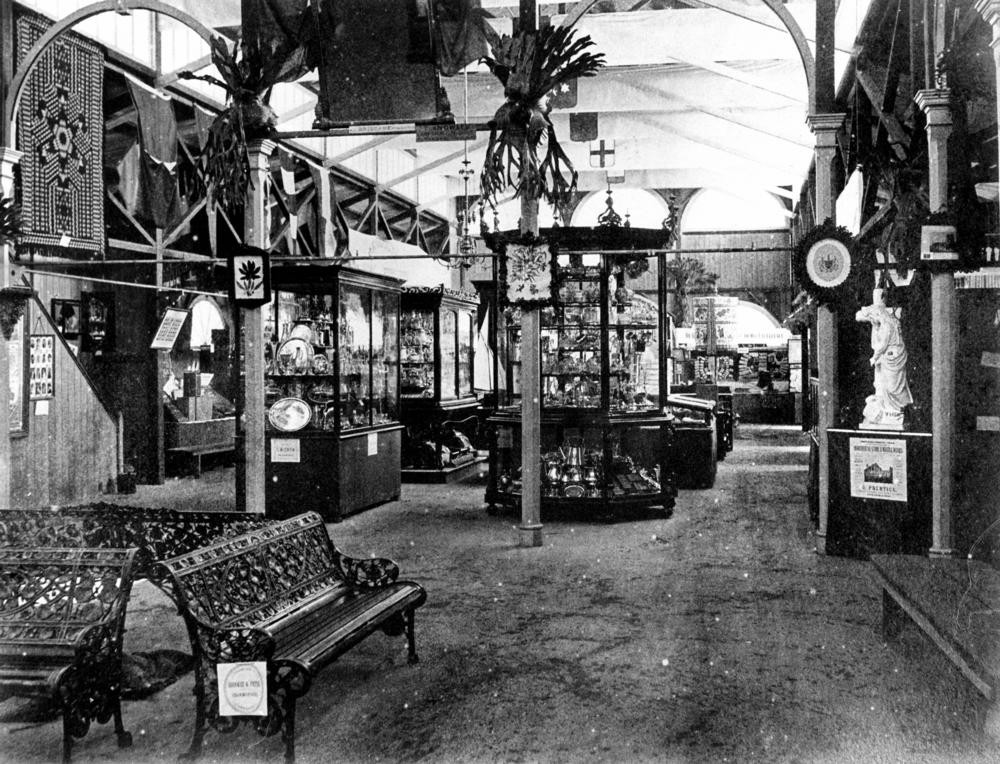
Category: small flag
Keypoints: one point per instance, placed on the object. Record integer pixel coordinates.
(583, 126)
(564, 95)
(602, 153)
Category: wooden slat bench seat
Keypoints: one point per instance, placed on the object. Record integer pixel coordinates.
(956, 603)
(187, 460)
(283, 594)
(62, 618)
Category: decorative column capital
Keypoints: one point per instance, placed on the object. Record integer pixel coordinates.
(825, 128)
(9, 155)
(260, 152)
(936, 104)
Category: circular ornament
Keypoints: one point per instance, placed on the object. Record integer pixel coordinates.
(828, 263)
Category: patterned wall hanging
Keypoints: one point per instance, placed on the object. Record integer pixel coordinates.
(527, 273)
(61, 132)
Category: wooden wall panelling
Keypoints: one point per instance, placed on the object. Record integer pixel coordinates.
(69, 454)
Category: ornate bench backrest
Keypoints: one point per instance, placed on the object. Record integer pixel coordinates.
(79, 527)
(50, 596)
(252, 578)
(170, 533)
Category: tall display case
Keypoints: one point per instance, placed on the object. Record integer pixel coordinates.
(437, 359)
(333, 433)
(605, 436)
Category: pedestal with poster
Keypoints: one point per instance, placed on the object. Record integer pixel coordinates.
(880, 492)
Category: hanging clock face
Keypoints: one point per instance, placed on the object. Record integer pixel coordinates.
(828, 263)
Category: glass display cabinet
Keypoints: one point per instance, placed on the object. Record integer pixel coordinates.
(438, 401)
(333, 431)
(606, 438)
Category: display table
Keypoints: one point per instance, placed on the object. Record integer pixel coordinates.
(594, 464)
(880, 493)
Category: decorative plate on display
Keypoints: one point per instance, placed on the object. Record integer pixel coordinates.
(294, 356)
(289, 414)
(828, 263)
(320, 365)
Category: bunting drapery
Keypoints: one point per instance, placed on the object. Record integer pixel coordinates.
(158, 198)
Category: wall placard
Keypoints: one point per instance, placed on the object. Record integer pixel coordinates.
(41, 366)
(878, 469)
(287, 450)
(169, 329)
(242, 688)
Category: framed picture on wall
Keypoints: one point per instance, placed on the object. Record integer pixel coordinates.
(41, 366)
(97, 327)
(67, 315)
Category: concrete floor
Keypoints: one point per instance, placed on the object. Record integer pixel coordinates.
(714, 635)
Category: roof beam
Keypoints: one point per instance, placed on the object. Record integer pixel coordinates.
(296, 111)
(898, 138)
(361, 148)
(417, 171)
(670, 95)
(733, 10)
(735, 74)
(169, 78)
(789, 167)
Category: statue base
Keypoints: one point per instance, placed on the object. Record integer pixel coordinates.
(877, 418)
(894, 427)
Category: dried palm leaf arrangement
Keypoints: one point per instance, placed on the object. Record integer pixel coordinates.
(523, 152)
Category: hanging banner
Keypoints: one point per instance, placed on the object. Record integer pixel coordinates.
(878, 469)
(169, 329)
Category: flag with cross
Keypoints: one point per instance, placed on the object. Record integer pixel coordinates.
(602, 153)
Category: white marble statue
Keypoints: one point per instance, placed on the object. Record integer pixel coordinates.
(884, 409)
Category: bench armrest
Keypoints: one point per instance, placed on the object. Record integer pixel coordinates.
(229, 645)
(99, 644)
(366, 574)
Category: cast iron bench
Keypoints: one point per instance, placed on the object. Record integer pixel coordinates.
(956, 603)
(163, 532)
(62, 618)
(283, 594)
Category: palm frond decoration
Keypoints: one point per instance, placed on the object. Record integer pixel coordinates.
(690, 276)
(523, 152)
(246, 117)
(10, 222)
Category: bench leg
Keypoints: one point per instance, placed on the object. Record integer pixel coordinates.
(410, 640)
(198, 736)
(288, 731)
(67, 743)
(124, 736)
(893, 617)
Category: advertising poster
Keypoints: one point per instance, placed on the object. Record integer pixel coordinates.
(878, 469)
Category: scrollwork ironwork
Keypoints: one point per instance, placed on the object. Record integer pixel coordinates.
(239, 593)
(73, 599)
